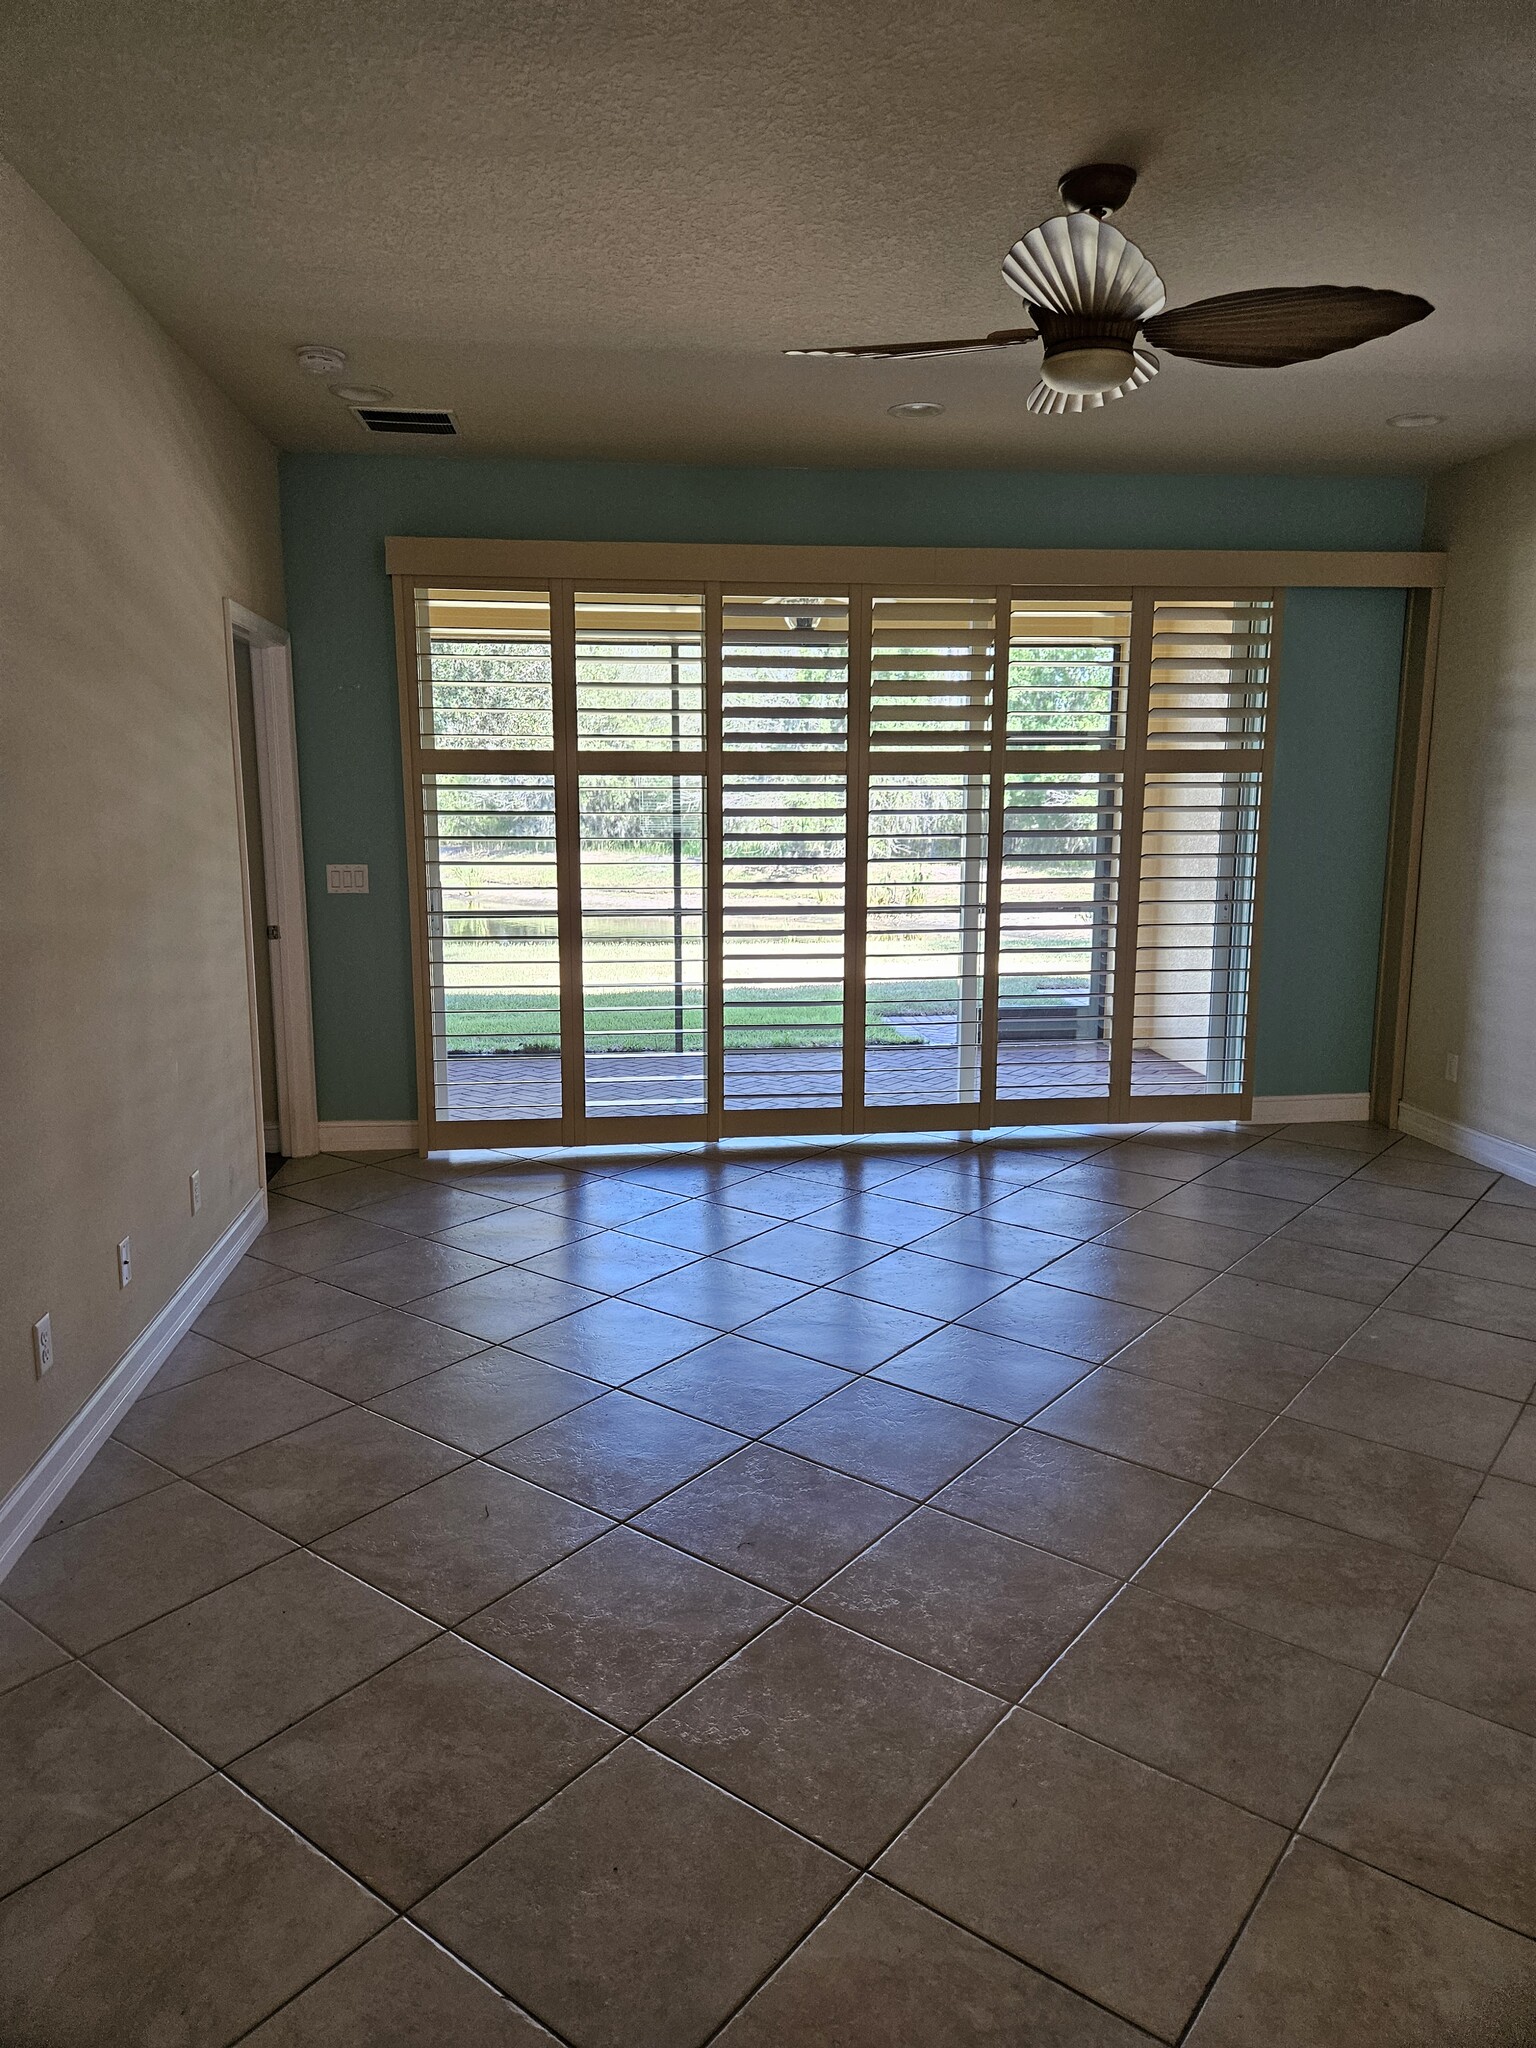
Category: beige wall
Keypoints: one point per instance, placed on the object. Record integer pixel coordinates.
(133, 500)
(1474, 965)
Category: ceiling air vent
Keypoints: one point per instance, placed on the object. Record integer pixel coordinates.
(404, 419)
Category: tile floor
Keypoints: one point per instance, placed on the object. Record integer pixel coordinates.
(1076, 1589)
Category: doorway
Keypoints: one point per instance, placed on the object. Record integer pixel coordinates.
(271, 854)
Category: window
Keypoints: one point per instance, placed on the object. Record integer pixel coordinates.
(731, 859)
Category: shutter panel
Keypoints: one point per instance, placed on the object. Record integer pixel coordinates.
(639, 672)
(1210, 672)
(930, 683)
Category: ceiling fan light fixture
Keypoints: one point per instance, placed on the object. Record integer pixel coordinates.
(1051, 400)
(1089, 366)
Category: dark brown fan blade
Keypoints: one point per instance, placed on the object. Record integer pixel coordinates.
(1292, 324)
(1005, 337)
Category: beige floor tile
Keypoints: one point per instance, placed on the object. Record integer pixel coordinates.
(1377, 1237)
(617, 1454)
(1233, 1365)
(1481, 1304)
(965, 1599)
(993, 1375)
(420, 1265)
(1318, 1322)
(294, 1309)
(415, 1771)
(1082, 1504)
(1441, 1798)
(1291, 1261)
(316, 1479)
(505, 1304)
(383, 1351)
(1484, 1258)
(1338, 1955)
(883, 1972)
(247, 1275)
(891, 1436)
(462, 1541)
(1252, 1173)
(402, 1989)
(1412, 1165)
(1240, 1714)
(103, 1577)
(1511, 1222)
(1473, 1643)
(1484, 1360)
(237, 1665)
(779, 1520)
(76, 1761)
(638, 1908)
(1124, 1883)
(624, 1625)
(1498, 1538)
(114, 1475)
(1057, 1319)
(1517, 1460)
(488, 1399)
(1414, 1414)
(1317, 1587)
(1395, 1204)
(1211, 1245)
(188, 1926)
(1144, 1280)
(1374, 1490)
(1193, 1436)
(214, 1417)
(838, 1736)
(312, 1246)
(24, 1650)
(193, 1357)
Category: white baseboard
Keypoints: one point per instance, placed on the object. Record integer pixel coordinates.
(368, 1137)
(1505, 1154)
(386, 1136)
(1311, 1109)
(33, 1499)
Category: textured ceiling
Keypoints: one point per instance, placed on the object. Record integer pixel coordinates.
(591, 226)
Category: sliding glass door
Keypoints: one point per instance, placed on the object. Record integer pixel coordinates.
(699, 863)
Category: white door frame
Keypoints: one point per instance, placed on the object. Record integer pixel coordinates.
(282, 847)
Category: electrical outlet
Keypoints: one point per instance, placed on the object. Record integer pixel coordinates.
(195, 1184)
(1452, 1066)
(124, 1261)
(42, 1344)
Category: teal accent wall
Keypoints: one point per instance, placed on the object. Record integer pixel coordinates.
(1335, 729)
(1337, 705)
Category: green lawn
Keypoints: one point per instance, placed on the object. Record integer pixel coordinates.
(804, 1015)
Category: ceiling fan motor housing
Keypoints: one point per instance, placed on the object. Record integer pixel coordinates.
(1085, 352)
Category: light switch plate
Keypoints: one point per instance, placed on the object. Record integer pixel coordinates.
(346, 878)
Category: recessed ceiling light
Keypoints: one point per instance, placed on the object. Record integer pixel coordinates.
(317, 359)
(915, 409)
(1417, 419)
(360, 394)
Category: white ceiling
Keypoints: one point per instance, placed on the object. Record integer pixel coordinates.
(591, 226)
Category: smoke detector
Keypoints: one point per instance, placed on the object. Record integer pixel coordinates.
(317, 360)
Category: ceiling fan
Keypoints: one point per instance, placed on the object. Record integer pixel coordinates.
(1090, 293)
